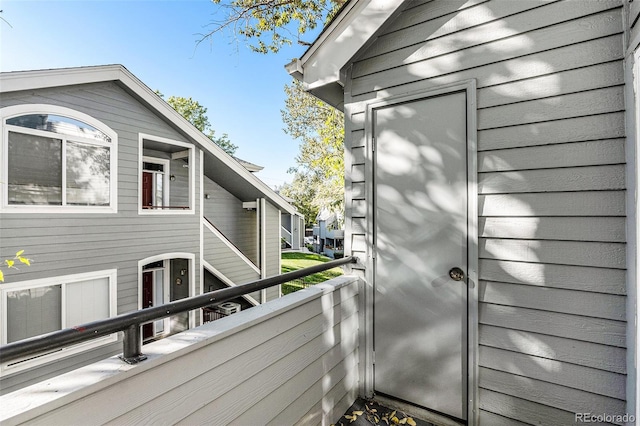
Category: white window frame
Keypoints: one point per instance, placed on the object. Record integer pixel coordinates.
(165, 257)
(19, 110)
(147, 159)
(30, 361)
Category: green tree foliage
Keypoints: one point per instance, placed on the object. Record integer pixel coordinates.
(268, 25)
(196, 114)
(11, 263)
(319, 175)
(302, 190)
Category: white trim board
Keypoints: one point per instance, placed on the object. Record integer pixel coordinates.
(143, 158)
(233, 248)
(263, 246)
(469, 87)
(39, 79)
(201, 230)
(169, 256)
(632, 80)
(356, 24)
(33, 361)
(227, 281)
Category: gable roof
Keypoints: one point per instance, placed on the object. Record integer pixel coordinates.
(220, 166)
(250, 166)
(350, 31)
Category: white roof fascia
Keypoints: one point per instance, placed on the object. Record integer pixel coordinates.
(42, 79)
(357, 23)
(29, 80)
(164, 108)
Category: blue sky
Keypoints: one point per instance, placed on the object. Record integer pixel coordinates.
(155, 40)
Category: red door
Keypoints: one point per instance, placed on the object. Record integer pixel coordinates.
(147, 301)
(147, 190)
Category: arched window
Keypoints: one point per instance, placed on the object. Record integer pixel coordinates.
(57, 159)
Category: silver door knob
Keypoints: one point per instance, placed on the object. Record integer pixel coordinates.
(456, 274)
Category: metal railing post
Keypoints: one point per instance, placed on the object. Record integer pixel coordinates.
(132, 345)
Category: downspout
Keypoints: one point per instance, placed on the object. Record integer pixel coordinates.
(201, 226)
(632, 157)
(280, 249)
(258, 245)
(263, 245)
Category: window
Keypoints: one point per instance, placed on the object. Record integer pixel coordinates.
(56, 161)
(33, 308)
(166, 176)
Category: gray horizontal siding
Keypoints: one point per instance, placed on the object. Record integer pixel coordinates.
(571, 400)
(589, 178)
(592, 102)
(225, 260)
(583, 203)
(570, 326)
(605, 255)
(573, 376)
(506, 46)
(275, 364)
(592, 127)
(355, 187)
(571, 277)
(605, 229)
(575, 154)
(530, 411)
(588, 354)
(60, 242)
(589, 304)
(551, 188)
(527, 412)
(408, 46)
(225, 211)
(64, 243)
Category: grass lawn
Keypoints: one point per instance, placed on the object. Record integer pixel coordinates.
(294, 261)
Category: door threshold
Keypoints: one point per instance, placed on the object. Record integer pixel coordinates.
(419, 412)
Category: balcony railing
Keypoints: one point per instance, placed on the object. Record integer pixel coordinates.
(166, 207)
(293, 360)
(131, 323)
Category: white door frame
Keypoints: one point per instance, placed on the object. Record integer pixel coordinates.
(165, 296)
(632, 155)
(469, 86)
(166, 173)
(166, 258)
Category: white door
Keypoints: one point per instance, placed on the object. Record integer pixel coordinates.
(420, 311)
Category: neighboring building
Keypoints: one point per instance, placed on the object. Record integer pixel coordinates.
(328, 235)
(121, 204)
(292, 231)
(292, 228)
(247, 165)
(491, 198)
